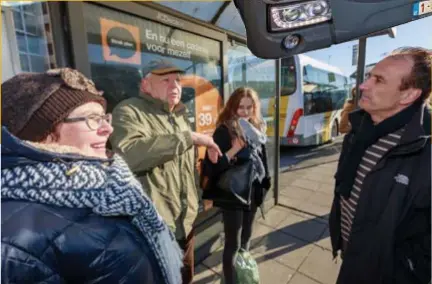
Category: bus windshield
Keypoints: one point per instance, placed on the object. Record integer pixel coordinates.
(288, 76)
(323, 90)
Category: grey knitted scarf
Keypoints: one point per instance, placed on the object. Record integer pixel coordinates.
(254, 138)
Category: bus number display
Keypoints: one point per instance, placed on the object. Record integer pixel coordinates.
(205, 119)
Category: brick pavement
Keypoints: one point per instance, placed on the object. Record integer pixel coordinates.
(292, 246)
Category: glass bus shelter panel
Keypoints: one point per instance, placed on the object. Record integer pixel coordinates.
(247, 70)
(204, 11)
(231, 20)
(121, 45)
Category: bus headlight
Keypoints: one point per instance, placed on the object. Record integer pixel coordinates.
(298, 15)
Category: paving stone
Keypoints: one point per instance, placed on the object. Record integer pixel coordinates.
(290, 202)
(320, 266)
(274, 216)
(307, 229)
(325, 241)
(282, 248)
(332, 165)
(296, 193)
(214, 261)
(322, 199)
(272, 272)
(315, 209)
(327, 188)
(301, 279)
(204, 275)
(260, 232)
(321, 178)
(306, 184)
(322, 171)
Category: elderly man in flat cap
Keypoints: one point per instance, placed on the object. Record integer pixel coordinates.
(153, 133)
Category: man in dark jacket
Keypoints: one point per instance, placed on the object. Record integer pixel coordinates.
(381, 214)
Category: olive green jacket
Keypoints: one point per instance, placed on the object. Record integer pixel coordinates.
(157, 145)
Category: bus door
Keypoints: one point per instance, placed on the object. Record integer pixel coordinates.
(289, 100)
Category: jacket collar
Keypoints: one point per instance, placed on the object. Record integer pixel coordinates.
(418, 127)
(16, 152)
(180, 107)
(417, 131)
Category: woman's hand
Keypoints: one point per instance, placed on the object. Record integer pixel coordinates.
(237, 145)
(213, 155)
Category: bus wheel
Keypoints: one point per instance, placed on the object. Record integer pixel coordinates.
(334, 130)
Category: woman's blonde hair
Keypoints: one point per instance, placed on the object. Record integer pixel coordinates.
(228, 115)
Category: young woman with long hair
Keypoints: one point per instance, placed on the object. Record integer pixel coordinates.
(240, 135)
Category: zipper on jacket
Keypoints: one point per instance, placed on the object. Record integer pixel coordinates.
(410, 264)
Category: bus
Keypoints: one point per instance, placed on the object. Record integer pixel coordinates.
(312, 97)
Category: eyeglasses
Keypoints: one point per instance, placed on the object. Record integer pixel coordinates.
(93, 121)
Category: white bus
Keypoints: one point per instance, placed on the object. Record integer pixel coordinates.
(312, 97)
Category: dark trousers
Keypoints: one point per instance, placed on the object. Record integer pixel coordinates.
(188, 246)
(238, 231)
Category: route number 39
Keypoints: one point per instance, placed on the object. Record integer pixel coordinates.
(205, 119)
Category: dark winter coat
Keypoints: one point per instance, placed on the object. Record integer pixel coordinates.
(224, 200)
(391, 233)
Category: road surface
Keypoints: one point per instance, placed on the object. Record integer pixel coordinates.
(295, 157)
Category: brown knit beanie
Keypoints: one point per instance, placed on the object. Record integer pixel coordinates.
(33, 104)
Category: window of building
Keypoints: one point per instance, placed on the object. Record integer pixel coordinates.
(33, 35)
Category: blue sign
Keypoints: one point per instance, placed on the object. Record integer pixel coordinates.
(416, 9)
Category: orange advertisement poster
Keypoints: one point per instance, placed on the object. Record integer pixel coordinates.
(208, 103)
(120, 42)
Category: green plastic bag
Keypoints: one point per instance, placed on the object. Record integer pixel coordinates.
(246, 268)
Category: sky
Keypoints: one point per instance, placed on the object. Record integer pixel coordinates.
(416, 33)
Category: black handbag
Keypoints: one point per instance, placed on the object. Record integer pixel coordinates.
(237, 181)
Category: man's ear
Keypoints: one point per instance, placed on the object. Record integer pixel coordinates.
(145, 85)
(410, 95)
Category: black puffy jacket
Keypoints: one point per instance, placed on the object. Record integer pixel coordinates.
(49, 244)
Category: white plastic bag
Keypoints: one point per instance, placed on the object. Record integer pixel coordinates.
(247, 271)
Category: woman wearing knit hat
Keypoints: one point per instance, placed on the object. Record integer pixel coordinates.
(71, 212)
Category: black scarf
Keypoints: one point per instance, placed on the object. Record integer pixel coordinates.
(365, 134)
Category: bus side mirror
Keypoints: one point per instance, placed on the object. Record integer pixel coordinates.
(281, 28)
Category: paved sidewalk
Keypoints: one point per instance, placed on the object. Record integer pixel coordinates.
(292, 246)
